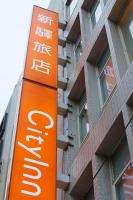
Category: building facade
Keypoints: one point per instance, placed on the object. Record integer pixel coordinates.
(95, 102)
(95, 121)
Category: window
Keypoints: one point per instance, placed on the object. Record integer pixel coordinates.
(90, 194)
(78, 49)
(3, 125)
(131, 29)
(72, 6)
(95, 12)
(83, 118)
(125, 184)
(2, 130)
(105, 76)
(126, 25)
(122, 172)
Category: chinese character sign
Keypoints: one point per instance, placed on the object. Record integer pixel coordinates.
(34, 164)
(42, 52)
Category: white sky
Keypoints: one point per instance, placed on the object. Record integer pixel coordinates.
(15, 18)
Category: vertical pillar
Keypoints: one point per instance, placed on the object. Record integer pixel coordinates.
(128, 115)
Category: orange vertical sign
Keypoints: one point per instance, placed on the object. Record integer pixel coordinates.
(34, 164)
(42, 54)
(33, 173)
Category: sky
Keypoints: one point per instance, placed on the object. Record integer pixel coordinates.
(15, 18)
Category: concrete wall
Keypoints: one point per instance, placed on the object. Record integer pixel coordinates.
(9, 137)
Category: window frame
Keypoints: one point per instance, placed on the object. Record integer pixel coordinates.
(131, 29)
(2, 132)
(91, 189)
(126, 20)
(78, 43)
(72, 1)
(118, 178)
(3, 125)
(115, 180)
(102, 102)
(93, 12)
(99, 75)
(79, 123)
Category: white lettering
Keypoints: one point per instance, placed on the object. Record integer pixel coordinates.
(42, 32)
(34, 173)
(40, 113)
(39, 139)
(38, 190)
(41, 66)
(36, 162)
(34, 130)
(42, 48)
(45, 19)
(39, 174)
(31, 150)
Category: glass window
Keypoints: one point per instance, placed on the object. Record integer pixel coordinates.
(3, 125)
(131, 29)
(90, 194)
(124, 187)
(1, 148)
(78, 49)
(72, 6)
(120, 158)
(106, 75)
(126, 24)
(95, 12)
(65, 125)
(122, 172)
(83, 118)
(2, 131)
